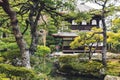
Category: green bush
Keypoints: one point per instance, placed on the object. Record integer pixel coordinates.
(43, 64)
(67, 59)
(72, 64)
(22, 72)
(11, 54)
(1, 59)
(3, 77)
(86, 67)
(66, 68)
(52, 47)
(11, 57)
(42, 50)
(113, 68)
(34, 60)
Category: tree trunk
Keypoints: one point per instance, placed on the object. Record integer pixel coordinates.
(90, 52)
(16, 31)
(35, 34)
(104, 49)
(34, 41)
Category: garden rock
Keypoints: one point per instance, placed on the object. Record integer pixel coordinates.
(109, 77)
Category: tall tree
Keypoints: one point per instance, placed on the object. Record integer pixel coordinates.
(88, 40)
(106, 6)
(36, 9)
(104, 51)
(16, 31)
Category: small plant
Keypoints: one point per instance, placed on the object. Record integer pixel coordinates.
(42, 51)
(43, 66)
(52, 47)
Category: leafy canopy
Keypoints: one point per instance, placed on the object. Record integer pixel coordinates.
(85, 38)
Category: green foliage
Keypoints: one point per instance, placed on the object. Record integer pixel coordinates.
(86, 38)
(114, 35)
(77, 16)
(113, 68)
(83, 16)
(86, 67)
(3, 77)
(42, 66)
(11, 54)
(72, 65)
(4, 30)
(6, 43)
(52, 47)
(114, 39)
(43, 63)
(68, 59)
(51, 29)
(22, 72)
(42, 50)
(34, 60)
(1, 59)
(70, 16)
(115, 25)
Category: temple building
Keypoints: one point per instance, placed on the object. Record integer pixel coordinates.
(68, 37)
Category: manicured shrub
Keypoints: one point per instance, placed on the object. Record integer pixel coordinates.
(22, 72)
(72, 65)
(1, 59)
(42, 50)
(113, 68)
(67, 59)
(90, 67)
(11, 54)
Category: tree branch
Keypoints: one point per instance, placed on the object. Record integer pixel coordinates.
(43, 19)
(98, 3)
(27, 23)
(105, 2)
(52, 11)
(37, 17)
(94, 34)
(18, 4)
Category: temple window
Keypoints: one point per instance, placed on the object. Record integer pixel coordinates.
(94, 22)
(74, 23)
(84, 22)
(100, 24)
